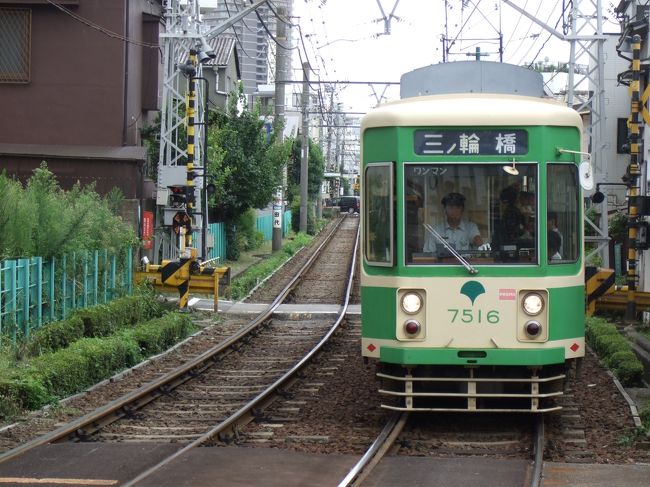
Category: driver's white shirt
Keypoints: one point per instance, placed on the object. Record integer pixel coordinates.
(460, 238)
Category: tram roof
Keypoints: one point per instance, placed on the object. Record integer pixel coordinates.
(471, 109)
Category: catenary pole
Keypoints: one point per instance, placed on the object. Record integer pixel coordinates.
(304, 153)
(278, 122)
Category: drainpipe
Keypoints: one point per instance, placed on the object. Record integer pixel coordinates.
(127, 12)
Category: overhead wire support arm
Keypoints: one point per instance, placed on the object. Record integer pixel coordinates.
(390, 16)
(544, 26)
(325, 82)
(221, 28)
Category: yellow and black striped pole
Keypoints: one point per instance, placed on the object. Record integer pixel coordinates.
(632, 180)
(191, 114)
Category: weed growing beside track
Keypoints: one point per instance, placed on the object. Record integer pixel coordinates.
(245, 282)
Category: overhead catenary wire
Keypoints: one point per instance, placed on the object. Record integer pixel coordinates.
(281, 45)
(241, 44)
(549, 36)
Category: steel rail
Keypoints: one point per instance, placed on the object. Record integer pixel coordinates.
(538, 462)
(125, 405)
(376, 451)
(231, 421)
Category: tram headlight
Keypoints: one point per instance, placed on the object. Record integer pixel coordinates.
(412, 327)
(532, 304)
(411, 303)
(533, 328)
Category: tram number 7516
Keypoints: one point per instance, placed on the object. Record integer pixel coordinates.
(470, 316)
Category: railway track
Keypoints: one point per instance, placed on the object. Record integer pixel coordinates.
(209, 395)
(396, 429)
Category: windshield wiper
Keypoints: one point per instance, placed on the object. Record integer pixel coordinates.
(460, 258)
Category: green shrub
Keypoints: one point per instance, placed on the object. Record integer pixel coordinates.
(41, 219)
(614, 351)
(618, 358)
(106, 319)
(54, 336)
(20, 393)
(630, 372)
(597, 326)
(606, 345)
(83, 364)
(251, 239)
(159, 334)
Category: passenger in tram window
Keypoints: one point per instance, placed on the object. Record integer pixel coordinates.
(512, 219)
(553, 246)
(552, 225)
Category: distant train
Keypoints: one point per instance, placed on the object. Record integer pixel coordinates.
(472, 285)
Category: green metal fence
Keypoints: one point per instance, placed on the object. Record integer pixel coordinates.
(34, 291)
(264, 224)
(218, 232)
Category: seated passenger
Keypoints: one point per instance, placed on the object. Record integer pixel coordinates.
(552, 225)
(512, 219)
(459, 233)
(554, 246)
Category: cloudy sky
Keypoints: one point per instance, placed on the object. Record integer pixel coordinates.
(347, 40)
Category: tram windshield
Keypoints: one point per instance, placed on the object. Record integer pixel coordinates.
(468, 214)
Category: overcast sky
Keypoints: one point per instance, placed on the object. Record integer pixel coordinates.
(345, 40)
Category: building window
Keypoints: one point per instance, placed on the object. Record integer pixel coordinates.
(15, 33)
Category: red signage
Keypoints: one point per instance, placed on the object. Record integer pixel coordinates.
(507, 294)
(147, 230)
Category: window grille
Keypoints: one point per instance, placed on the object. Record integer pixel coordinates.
(15, 35)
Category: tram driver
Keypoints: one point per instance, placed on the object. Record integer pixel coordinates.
(458, 232)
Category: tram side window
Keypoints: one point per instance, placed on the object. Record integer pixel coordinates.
(378, 214)
(563, 235)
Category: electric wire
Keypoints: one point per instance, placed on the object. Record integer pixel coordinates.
(239, 41)
(101, 29)
(548, 38)
(517, 24)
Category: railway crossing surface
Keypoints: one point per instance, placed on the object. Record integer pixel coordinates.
(95, 464)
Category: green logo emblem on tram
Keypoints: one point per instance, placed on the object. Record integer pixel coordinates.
(472, 289)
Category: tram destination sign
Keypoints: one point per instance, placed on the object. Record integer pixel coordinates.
(470, 142)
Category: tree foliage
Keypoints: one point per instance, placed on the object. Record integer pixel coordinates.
(239, 163)
(315, 170)
(40, 219)
(244, 163)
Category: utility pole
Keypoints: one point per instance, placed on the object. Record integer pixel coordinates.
(304, 155)
(632, 176)
(278, 122)
(328, 157)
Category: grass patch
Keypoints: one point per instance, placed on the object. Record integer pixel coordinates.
(243, 284)
(641, 432)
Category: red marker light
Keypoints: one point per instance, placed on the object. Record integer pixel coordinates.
(412, 327)
(533, 328)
